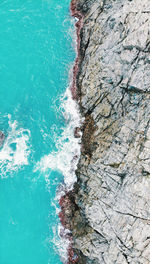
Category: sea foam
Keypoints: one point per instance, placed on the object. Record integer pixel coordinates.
(15, 151)
(65, 161)
(66, 157)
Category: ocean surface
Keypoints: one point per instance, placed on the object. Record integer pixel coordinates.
(37, 116)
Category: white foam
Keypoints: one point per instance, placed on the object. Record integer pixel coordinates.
(64, 160)
(15, 151)
(61, 242)
(66, 157)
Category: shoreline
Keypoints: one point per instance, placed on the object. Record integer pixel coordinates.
(78, 25)
(67, 201)
(108, 211)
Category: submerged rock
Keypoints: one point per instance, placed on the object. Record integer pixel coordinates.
(111, 223)
(2, 137)
(77, 132)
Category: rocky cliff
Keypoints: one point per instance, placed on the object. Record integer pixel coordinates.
(111, 222)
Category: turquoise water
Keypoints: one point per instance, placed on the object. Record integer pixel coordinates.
(36, 53)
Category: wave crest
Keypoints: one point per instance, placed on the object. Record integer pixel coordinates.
(66, 157)
(15, 150)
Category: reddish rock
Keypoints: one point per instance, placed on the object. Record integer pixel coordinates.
(67, 202)
(77, 14)
(68, 208)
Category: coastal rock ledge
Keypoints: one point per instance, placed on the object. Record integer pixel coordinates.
(111, 219)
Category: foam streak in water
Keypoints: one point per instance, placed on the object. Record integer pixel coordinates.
(15, 151)
(66, 158)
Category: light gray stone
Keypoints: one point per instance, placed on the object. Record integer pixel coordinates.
(113, 193)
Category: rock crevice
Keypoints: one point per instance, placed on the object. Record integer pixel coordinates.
(111, 223)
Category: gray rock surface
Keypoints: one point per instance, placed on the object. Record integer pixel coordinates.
(2, 137)
(112, 222)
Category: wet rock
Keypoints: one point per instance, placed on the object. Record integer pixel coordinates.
(111, 223)
(77, 132)
(2, 138)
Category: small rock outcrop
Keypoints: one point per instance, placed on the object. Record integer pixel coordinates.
(111, 221)
(2, 137)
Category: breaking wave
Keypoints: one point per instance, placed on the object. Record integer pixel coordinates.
(16, 149)
(65, 159)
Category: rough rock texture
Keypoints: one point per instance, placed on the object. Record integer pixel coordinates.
(112, 221)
